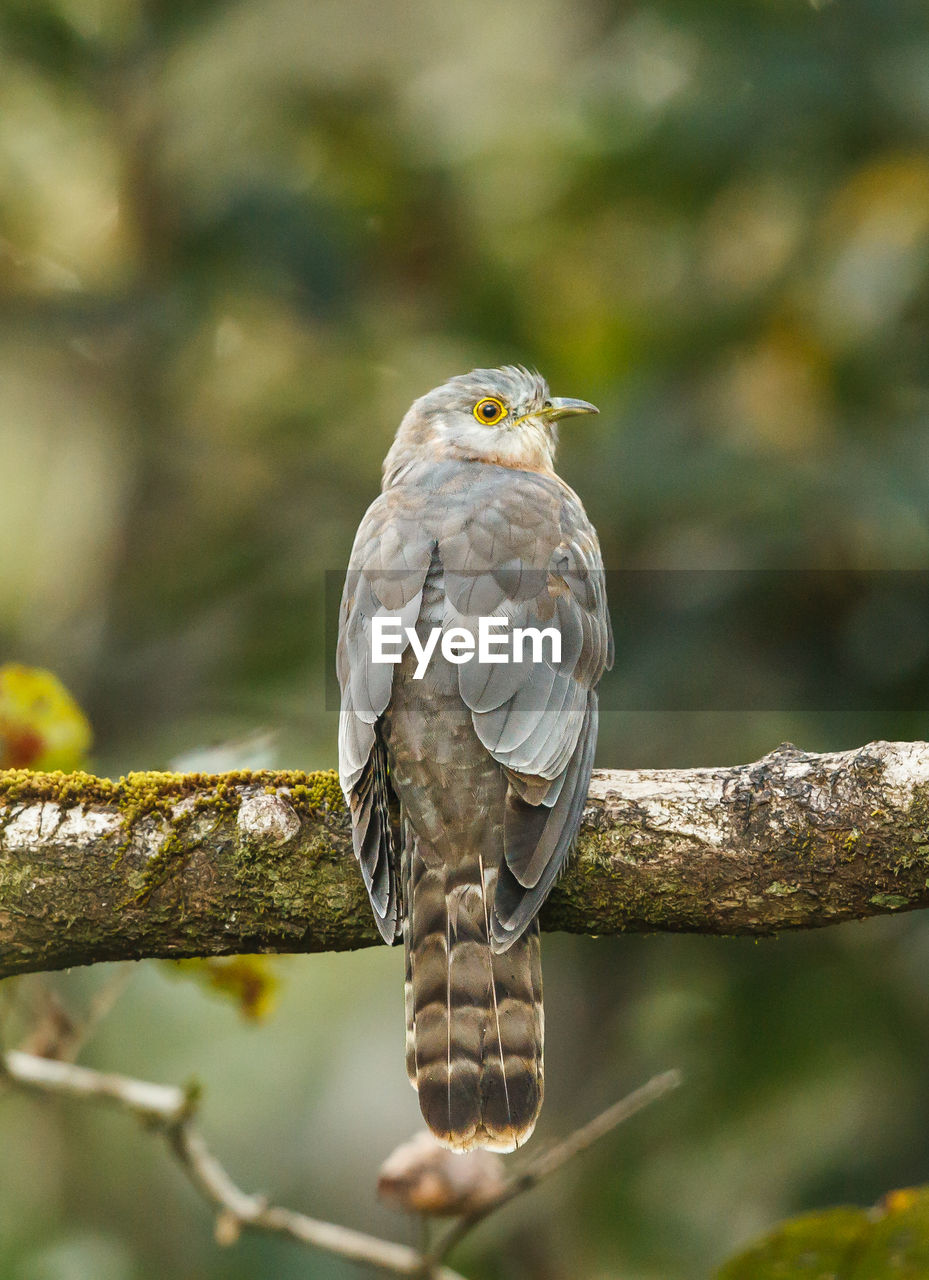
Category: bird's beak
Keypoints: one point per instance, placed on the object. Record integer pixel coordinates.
(562, 408)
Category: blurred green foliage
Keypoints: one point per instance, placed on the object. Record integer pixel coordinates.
(891, 1243)
(236, 240)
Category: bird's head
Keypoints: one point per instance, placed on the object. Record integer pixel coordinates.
(505, 416)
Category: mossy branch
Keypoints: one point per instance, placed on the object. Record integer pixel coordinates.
(195, 865)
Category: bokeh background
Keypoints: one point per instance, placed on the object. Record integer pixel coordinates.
(236, 240)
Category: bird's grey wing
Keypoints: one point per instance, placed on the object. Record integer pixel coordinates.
(386, 573)
(527, 552)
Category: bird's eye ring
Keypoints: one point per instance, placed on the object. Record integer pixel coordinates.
(489, 411)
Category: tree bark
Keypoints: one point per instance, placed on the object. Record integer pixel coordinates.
(178, 865)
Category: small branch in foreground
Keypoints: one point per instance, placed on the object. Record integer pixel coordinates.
(160, 1104)
(171, 1111)
(548, 1162)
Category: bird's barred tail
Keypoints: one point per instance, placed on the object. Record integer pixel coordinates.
(474, 1019)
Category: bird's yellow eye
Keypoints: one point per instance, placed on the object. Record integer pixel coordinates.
(489, 410)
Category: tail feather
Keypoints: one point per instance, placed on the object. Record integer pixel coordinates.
(474, 1018)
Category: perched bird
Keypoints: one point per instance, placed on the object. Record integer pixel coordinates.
(466, 778)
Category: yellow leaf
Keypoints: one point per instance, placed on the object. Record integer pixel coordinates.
(41, 726)
(250, 981)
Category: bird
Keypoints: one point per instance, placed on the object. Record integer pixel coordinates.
(466, 779)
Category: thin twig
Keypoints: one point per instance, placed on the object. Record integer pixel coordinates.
(160, 1104)
(104, 1000)
(171, 1110)
(56, 1031)
(549, 1161)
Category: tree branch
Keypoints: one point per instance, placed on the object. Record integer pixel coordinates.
(193, 865)
(171, 1111)
(550, 1161)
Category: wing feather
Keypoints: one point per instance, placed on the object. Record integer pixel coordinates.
(522, 888)
(527, 552)
(387, 570)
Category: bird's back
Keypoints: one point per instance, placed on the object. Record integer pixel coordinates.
(474, 1018)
